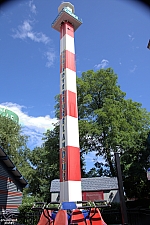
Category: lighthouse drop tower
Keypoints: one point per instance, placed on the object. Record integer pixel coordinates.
(67, 23)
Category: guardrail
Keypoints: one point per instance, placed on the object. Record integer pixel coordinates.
(110, 216)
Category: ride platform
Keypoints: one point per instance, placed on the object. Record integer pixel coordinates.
(69, 213)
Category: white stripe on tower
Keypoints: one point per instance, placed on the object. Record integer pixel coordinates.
(70, 174)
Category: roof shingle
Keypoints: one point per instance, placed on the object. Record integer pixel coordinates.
(91, 184)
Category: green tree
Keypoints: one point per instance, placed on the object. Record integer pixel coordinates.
(13, 141)
(134, 167)
(110, 123)
(45, 165)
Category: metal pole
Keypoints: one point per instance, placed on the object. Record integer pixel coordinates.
(120, 185)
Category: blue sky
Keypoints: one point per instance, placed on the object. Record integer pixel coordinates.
(114, 34)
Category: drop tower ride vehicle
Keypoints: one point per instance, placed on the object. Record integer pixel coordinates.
(70, 209)
(67, 23)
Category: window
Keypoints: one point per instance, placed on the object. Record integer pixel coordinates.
(63, 105)
(63, 121)
(63, 136)
(63, 144)
(63, 112)
(63, 154)
(64, 176)
(63, 166)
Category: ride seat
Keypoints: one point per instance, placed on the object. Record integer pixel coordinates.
(45, 218)
(95, 217)
(61, 218)
(77, 217)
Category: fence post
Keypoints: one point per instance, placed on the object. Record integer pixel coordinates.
(121, 193)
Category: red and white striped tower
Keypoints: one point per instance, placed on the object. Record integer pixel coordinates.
(70, 174)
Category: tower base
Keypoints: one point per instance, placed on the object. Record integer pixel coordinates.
(70, 191)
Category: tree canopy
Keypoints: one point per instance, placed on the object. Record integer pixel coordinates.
(44, 161)
(111, 123)
(12, 140)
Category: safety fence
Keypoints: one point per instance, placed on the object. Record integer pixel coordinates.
(111, 217)
(135, 217)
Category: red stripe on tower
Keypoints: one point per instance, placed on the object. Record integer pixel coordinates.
(70, 176)
(67, 30)
(67, 60)
(69, 99)
(70, 163)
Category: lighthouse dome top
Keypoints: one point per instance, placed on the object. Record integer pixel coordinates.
(66, 5)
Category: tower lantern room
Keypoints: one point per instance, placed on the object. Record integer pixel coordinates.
(67, 5)
(66, 13)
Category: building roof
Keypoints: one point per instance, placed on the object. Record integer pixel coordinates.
(91, 184)
(12, 168)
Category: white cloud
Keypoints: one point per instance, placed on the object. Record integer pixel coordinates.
(131, 38)
(35, 138)
(133, 69)
(50, 55)
(32, 7)
(102, 64)
(91, 159)
(26, 31)
(34, 127)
